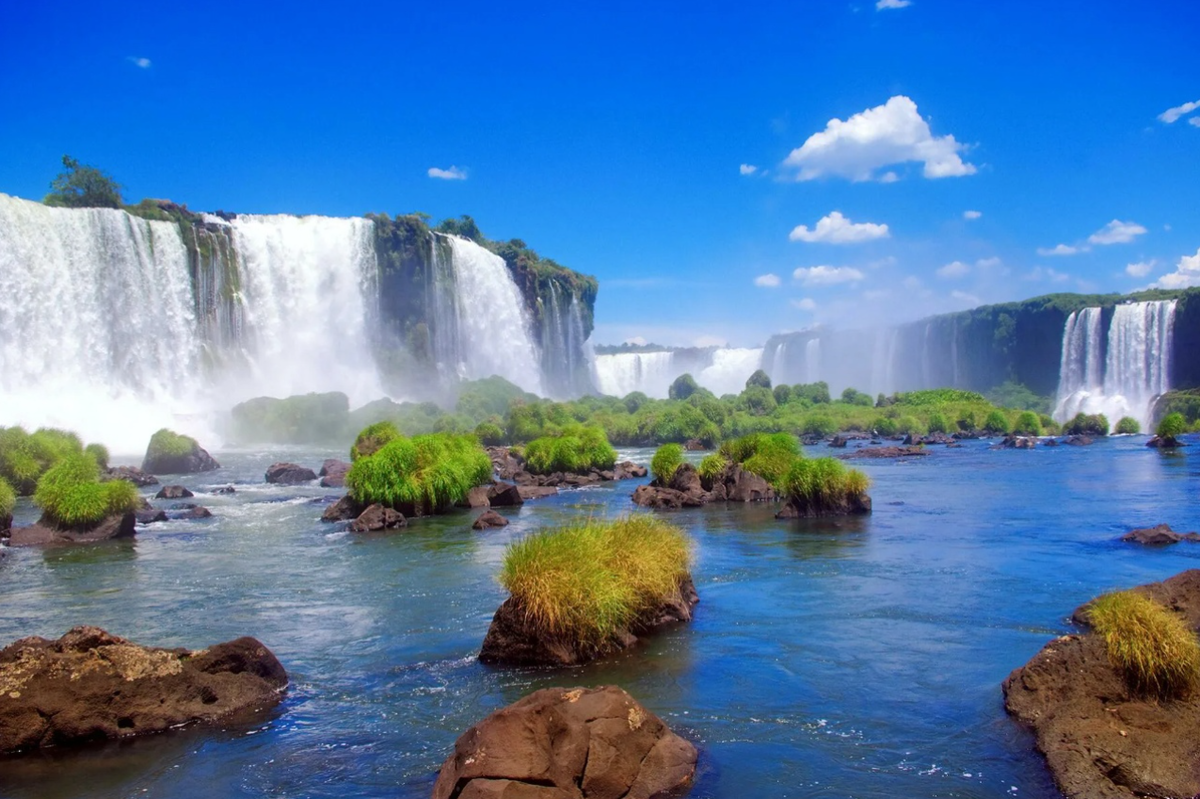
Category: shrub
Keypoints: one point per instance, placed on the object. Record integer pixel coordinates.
(711, 466)
(83, 186)
(666, 462)
(938, 423)
(758, 400)
(818, 424)
(72, 495)
(1172, 425)
(966, 421)
(8, 500)
(1027, 424)
(853, 396)
(1128, 426)
(99, 453)
(996, 423)
(783, 393)
(587, 580)
(25, 457)
(422, 474)
(169, 444)
(816, 393)
(373, 438)
(1087, 425)
(684, 386)
(489, 434)
(1153, 647)
(885, 426)
(577, 448)
(769, 455)
(910, 425)
(823, 484)
(635, 400)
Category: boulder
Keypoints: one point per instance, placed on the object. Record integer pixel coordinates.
(333, 473)
(560, 743)
(476, 497)
(536, 492)
(695, 445)
(1078, 441)
(377, 517)
(506, 462)
(90, 685)
(838, 442)
(504, 495)
(347, 507)
(795, 508)
(45, 532)
(133, 475)
(885, 452)
(1017, 442)
(225, 490)
(150, 516)
(628, 470)
(1164, 442)
(743, 486)
(195, 512)
(489, 519)
(1050, 442)
(173, 492)
(1100, 740)
(513, 639)
(196, 459)
(289, 474)
(1159, 535)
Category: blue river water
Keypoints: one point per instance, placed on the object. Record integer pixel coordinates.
(839, 658)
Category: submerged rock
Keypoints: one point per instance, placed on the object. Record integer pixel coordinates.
(377, 517)
(133, 475)
(536, 492)
(90, 685)
(560, 743)
(1017, 442)
(151, 516)
(628, 470)
(225, 490)
(44, 532)
(1078, 441)
(173, 492)
(1164, 442)
(289, 474)
(1159, 535)
(488, 520)
(885, 452)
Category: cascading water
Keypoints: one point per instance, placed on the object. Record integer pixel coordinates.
(812, 360)
(1122, 375)
(623, 373)
(564, 362)
(730, 369)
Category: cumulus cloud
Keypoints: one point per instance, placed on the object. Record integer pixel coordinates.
(1194, 122)
(954, 270)
(637, 341)
(1186, 274)
(747, 169)
(964, 297)
(972, 214)
(885, 4)
(1141, 268)
(837, 229)
(1172, 114)
(892, 133)
(140, 62)
(1060, 249)
(1116, 232)
(453, 173)
(767, 281)
(806, 304)
(827, 275)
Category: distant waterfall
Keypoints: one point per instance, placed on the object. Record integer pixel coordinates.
(564, 361)
(1121, 375)
(623, 373)
(812, 360)
(730, 369)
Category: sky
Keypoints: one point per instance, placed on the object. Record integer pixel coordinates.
(726, 172)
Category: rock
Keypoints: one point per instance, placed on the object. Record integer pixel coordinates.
(150, 516)
(838, 442)
(694, 445)
(1050, 442)
(1100, 740)
(489, 519)
(333, 473)
(885, 452)
(196, 512)
(1164, 442)
(90, 685)
(345, 508)
(196, 459)
(133, 475)
(504, 495)
(289, 474)
(795, 508)
(562, 743)
(377, 517)
(45, 533)
(536, 492)
(506, 462)
(476, 497)
(811, 439)
(1159, 535)
(512, 639)
(1017, 442)
(173, 492)
(1077, 441)
(225, 490)
(628, 470)
(934, 439)
(743, 486)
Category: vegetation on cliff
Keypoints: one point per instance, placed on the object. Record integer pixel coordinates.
(822, 486)
(420, 475)
(83, 186)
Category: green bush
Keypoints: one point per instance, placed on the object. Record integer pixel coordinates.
(634, 400)
(666, 461)
(25, 457)
(823, 484)
(783, 393)
(886, 426)
(169, 444)
(99, 453)
(966, 421)
(996, 423)
(910, 426)
(760, 378)
(8, 500)
(818, 424)
(684, 386)
(1171, 426)
(816, 393)
(1153, 647)
(577, 448)
(1128, 426)
(71, 494)
(1027, 424)
(373, 438)
(585, 581)
(83, 186)
(853, 396)
(1087, 425)
(757, 400)
(769, 455)
(938, 423)
(420, 475)
(489, 434)
(712, 466)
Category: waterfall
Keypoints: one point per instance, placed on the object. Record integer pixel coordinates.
(480, 324)
(730, 369)
(564, 364)
(1122, 375)
(623, 373)
(812, 360)
(778, 368)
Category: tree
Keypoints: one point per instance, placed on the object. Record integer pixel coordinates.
(83, 186)
(683, 387)
(1172, 426)
(759, 378)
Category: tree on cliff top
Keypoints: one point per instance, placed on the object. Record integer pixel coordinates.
(83, 186)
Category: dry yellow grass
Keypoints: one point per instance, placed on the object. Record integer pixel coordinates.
(1151, 645)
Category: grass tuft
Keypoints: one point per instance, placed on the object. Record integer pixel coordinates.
(769, 455)
(169, 444)
(577, 448)
(712, 466)
(586, 580)
(372, 438)
(1152, 646)
(8, 499)
(666, 461)
(72, 495)
(824, 483)
(425, 474)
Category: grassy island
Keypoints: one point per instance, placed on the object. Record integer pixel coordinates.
(825, 486)
(71, 494)
(421, 475)
(576, 449)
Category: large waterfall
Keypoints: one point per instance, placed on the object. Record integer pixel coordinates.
(721, 370)
(1121, 374)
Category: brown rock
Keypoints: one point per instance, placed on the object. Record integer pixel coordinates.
(476, 497)
(885, 452)
(797, 508)
(345, 508)
(489, 519)
(1164, 442)
(90, 685)
(561, 743)
(47, 533)
(289, 474)
(333, 473)
(377, 517)
(1158, 535)
(1077, 441)
(628, 470)
(536, 492)
(744, 486)
(133, 475)
(504, 495)
(173, 492)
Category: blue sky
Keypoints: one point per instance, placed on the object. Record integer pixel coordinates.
(613, 137)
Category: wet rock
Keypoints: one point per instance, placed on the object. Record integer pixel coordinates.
(1017, 442)
(684, 490)
(344, 509)
(536, 492)
(45, 533)
(90, 685)
(1164, 442)
(797, 508)
(743, 486)
(150, 516)
(694, 445)
(489, 519)
(333, 473)
(504, 495)
(377, 517)
(133, 475)
(1078, 441)
(1050, 442)
(476, 497)
(289, 474)
(506, 462)
(193, 461)
(931, 439)
(885, 452)
(562, 743)
(1159, 535)
(628, 470)
(173, 492)
(195, 512)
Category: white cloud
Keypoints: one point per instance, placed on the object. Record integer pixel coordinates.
(767, 281)
(639, 341)
(806, 304)
(1116, 232)
(708, 341)
(837, 229)
(912, 282)
(1141, 268)
(747, 169)
(1187, 273)
(1172, 114)
(972, 214)
(827, 275)
(953, 270)
(964, 297)
(1060, 249)
(889, 177)
(987, 264)
(140, 62)
(1039, 273)
(882, 4)
(453, 173)
(892, 133)
(889, 260)
(1194, 122)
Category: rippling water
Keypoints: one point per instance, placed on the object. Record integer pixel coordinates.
(851, 658)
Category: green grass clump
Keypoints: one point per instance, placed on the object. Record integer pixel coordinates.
(1027, 424)
(666, 461)
(1171, 426)
(1149, 644)
(1083, 424)
(422, 474)
(71, 494)
(769, 455)
(586, 580)
(99, 454)
(712, 465)
(1128, 426)
(577, 448)
(372, 438)
(996, 423)
(824, 483)
(8, 499)
(489, 434)
(169, 444)
(25, 457)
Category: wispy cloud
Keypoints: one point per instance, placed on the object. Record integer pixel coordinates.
(892, 133)
(827, 275)
(837, 229)
(139, 61)
(1194, 122)
(1116, 232)
(972, 214)
(1186, 274)
(805, 304)
(747, 169)
(767, 281)
(1040, 273)
(453, 173)
(1060, 249)
(954, 270)
(970, 300)
(1141, 268)
(885, 4)
(1172, 114)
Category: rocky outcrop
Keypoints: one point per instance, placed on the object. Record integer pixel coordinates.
(46, 533)
(1078, 441)
(195, 460)
(885, 452)
(536, 492)
(686, 489)
(90, 685)
(1159, 535)
(1101, 740)
(513, 639)
(1164, 442)
(504, 495)
(476, 497)
(151, 516)
(333, 473)
(289, 474)
(173, 492)
(377, 517)
(510, 466)
(131, 474)
(1017, 442)
(345, 509)
(489, 520)
(578, 743)
(797, 508)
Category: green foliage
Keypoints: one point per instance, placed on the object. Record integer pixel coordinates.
(760, 378)
(83, 186)
(1186, 402)
(1087, 425)
(634, 400)
(8, 501)
(823, 484)
(373, 438)
(769, 455)
(71, 493)
(712, 466)
(99, 453)
(585, 581)
(816, 393)
(577, 448)
(684, 386)
(937, 396)
(489, 434)
(967, 421)
(1153, 647)
(666, 461)
(996, 423)
(169, 444)
(1027, 424)
(757, 401)
(491, 396)
(938, 423)
(25, 457)
(306, 418)
(783, 393)
(855, 397)
(910, 425)
(1128, 426)
(819, 425)
(1171, 426)
(1015, 395)
(886, 426)
(422, 475)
